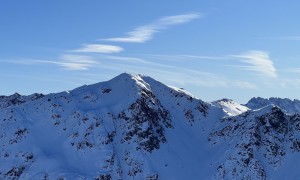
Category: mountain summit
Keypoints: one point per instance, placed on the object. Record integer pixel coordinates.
(291, 106)
(134, 127)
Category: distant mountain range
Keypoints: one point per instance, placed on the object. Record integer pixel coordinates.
(290, 106)
(134, 127)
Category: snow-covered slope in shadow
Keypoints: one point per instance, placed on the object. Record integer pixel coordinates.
(128, 127)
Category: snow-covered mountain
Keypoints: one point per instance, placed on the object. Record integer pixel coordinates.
(134, 127)
(291, 106)
(261, 144)
(128, 127)
(230, 107)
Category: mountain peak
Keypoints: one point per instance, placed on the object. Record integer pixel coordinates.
(108, 130)
(230, 107)
(291, 106)
(270, 108)
(127, 76)
(124, 76)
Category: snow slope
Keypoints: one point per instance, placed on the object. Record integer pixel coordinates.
(230, 107)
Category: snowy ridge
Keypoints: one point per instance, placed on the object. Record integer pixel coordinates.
(230, 107)
(17, 99)
(134, 127)
(291, 106)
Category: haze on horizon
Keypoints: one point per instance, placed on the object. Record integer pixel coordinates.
(213, 49)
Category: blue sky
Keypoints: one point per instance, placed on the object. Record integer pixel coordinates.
(214, 49)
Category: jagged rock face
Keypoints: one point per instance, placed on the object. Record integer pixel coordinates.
(17, 99)
(146, 123)
(291, 106)
(260, 139)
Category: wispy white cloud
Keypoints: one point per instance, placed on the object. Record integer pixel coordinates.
(68, 61)
(204, 57)
(76, 62)
(145, 33)
(173, 57)
(125, 58)
(17, 61)
(258, 61)
(99, 48)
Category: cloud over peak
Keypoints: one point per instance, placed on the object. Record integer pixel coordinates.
(76, 62)
(145, 33)
(258, 61)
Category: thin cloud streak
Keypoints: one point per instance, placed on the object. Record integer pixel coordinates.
(258, 61)
(124, 58)
(99, 48)
(13, 62)
(204, 57)
(77, 62)
(69, 62)
(145, 33)
(180, 57)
